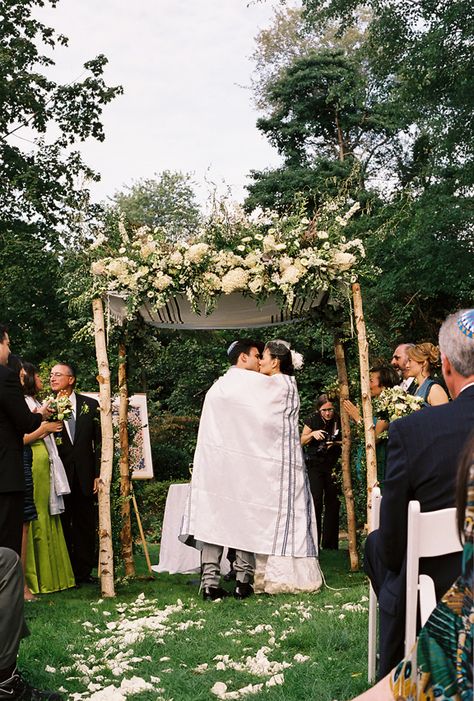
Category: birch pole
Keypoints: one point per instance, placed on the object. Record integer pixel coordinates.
(369, 430)
(346, 453)
(106, 554)
(126, 530)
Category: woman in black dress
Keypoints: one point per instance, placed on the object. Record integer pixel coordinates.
(321, 439)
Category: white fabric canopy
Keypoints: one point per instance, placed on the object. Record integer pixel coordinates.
(233, 311)
(249, 487)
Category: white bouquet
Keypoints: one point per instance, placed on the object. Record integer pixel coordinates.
(394, 402)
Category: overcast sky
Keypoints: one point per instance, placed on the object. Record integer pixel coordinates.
(185, 68)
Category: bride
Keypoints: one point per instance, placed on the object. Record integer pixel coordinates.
(285, 573)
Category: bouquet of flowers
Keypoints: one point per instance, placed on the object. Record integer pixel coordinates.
(394, 402)
(61, 407)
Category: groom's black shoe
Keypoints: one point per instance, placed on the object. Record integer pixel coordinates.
(213, 593)
(17, 689)
(243, 590)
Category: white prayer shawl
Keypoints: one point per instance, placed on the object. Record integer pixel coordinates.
(58, 482)
(249, 486)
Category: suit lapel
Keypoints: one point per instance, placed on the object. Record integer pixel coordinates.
(79, 404)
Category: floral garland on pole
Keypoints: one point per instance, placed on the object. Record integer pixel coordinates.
(288, 257)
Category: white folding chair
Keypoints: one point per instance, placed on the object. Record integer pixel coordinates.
(372, 656)
(430, 534)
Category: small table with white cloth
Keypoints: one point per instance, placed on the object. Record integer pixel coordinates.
(175, 557)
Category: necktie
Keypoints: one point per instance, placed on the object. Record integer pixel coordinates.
(71, 422)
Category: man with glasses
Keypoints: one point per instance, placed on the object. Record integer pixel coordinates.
(80, 453)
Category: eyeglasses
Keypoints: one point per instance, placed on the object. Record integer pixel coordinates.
(60, 374)
(327, 409)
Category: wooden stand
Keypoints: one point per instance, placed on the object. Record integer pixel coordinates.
(126, 530)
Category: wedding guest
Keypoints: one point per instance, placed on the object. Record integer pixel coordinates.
(48, 567)
(399, 362)
(422, 359)
(80, 452)
(12, 629)
(29, 508)
(423, 450)
(381, 377)
(321, 438)
(15, 420)
(440, 663)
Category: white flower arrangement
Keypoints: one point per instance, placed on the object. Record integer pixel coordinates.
(288, 257)
(394, 403)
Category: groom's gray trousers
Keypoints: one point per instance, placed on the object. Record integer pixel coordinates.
(244, 565)
(12, 623)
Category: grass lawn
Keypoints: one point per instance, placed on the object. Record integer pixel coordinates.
(160, 631)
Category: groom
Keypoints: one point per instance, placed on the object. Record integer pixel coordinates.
(80, 453)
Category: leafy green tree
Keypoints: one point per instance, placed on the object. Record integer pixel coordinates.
(422, 53)
(167, 202)
(324, 121)
(42, 202)
(40, 122)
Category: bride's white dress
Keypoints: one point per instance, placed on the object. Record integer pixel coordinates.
(286, 575)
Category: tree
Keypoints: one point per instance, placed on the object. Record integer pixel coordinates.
(42, 200)
(166, 202)
(422, 53)
(39, 185)
(325, 119)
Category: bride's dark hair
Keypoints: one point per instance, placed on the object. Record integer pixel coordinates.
(280, 350)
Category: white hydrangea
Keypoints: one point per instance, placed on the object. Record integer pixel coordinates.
(196, 252)
(98, 267)
(256, 284)
(212, 281)
(343, 260)
(161, 282)
(291, 275)
(235, 279)
(176, 258)
(285, 262)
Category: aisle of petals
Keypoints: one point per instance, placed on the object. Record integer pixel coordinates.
(107, 664)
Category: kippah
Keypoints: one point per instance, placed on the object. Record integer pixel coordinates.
(466, 323)
(231, 347)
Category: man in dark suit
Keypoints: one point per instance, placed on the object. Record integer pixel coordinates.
(423, 454)
(15, 420)
(80, 453)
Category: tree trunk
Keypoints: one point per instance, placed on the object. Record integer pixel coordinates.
(369, 431)
(126, 530)
(106, 554)
(346, 453)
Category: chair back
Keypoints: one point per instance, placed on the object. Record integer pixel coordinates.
(371, 662)
(430, 534)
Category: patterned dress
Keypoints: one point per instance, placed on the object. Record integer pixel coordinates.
(440, 665)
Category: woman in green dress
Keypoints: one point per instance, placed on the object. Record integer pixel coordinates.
(48, 567)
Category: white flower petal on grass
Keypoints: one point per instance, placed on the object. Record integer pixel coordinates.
(219, 688)
(301, 658)
(49, 669)
(135, 685)
(276, 680)
(201, 668)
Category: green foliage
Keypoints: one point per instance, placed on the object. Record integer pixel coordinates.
(151, 500)
(39, 191)
(166, 202)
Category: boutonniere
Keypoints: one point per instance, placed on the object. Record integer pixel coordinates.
(84, 409)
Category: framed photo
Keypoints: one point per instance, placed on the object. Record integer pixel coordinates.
(139, 449)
